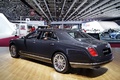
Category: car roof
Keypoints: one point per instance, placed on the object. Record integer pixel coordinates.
(58, 30)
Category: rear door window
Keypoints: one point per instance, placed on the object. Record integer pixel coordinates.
(48, 35)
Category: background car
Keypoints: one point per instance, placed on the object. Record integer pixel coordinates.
(115, 35)
(63, 48)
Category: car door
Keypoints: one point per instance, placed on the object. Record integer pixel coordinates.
(21, 44)
(30, 42)
(46, 44)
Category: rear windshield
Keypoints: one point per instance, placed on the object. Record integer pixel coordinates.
(78, 35)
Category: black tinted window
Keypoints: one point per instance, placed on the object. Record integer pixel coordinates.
(33, 35)
(48, 35)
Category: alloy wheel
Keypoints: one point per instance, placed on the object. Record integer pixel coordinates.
(13, 50)
(59, 62)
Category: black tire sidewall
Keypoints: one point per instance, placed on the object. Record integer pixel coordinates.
(16, 55)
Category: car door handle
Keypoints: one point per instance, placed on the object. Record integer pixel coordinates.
(52, 44)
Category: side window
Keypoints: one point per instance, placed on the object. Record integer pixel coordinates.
(54, 36)
(33, 35)
(48, 35)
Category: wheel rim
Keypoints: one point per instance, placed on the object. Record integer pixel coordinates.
(13, 50)
(59, 62)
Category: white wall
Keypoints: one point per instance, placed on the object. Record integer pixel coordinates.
(6, 28)
(99, 26)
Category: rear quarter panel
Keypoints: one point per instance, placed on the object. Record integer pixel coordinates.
(74, 53)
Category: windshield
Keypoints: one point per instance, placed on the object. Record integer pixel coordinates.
(79, 35)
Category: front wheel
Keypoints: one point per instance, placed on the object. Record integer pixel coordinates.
(60, 62)
(14, 51)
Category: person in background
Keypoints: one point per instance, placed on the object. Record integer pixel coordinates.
(32, 29)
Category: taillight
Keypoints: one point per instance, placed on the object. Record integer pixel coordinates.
(92, 52)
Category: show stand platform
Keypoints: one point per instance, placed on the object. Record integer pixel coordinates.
(4, 42)
(113, 42)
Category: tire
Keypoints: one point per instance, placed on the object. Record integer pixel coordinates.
(60, 62)
(14, 51)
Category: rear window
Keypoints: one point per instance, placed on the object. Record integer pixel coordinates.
(78, 34)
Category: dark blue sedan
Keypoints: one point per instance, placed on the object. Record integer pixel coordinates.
(63, 48)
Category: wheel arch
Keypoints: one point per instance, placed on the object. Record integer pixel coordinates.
(12, 43)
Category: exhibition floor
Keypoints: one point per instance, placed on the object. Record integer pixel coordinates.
(28, 69)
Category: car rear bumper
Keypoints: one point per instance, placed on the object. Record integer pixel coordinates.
(89, 65)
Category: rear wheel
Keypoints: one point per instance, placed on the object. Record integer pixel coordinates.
(14, 51)
(60, 62)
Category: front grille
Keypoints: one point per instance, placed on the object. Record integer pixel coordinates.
(106, 51)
